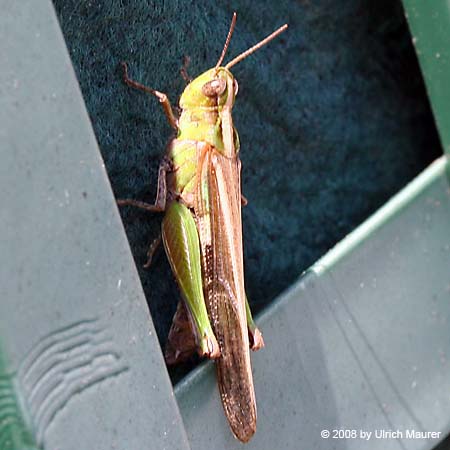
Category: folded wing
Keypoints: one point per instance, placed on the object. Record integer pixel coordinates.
(218, 212)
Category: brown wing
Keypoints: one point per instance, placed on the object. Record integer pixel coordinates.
(220, 230)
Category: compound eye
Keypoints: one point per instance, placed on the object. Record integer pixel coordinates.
(236, 87)
(214, 88)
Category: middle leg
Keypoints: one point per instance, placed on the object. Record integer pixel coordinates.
(160, 203)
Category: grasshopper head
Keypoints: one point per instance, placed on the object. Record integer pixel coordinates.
(214, 88)
(217, 87)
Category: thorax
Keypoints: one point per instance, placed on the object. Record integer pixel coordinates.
(201, 124)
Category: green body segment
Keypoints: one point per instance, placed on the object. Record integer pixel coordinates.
(183, 155)
(182, 247)
(251, 325)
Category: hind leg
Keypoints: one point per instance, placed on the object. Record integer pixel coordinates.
(181, 242)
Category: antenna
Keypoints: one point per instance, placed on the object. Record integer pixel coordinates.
(248, 52)
(227, 42)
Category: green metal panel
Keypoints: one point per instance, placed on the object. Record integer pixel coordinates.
(430, 29)
(80, 365)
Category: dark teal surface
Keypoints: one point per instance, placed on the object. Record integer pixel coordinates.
(333, 118)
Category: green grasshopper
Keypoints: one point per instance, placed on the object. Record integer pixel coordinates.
(199, 189)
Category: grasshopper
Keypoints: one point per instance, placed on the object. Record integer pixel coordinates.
(199, 189)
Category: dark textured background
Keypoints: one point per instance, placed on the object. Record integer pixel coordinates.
(333, 118)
